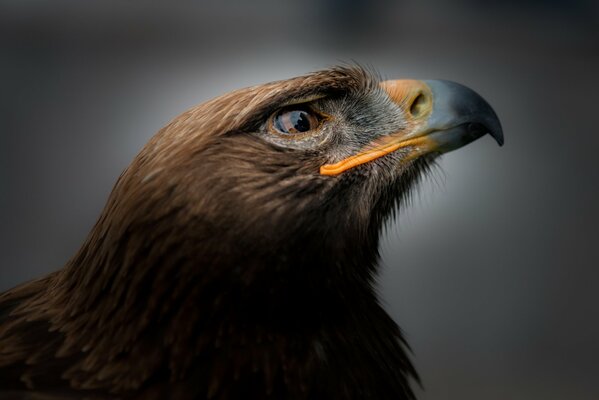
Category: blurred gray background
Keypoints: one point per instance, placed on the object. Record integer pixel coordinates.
(492, 272)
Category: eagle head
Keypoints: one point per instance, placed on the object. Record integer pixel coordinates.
(293, 173)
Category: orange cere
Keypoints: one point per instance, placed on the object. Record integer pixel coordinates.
(404, 91)
(421, 144)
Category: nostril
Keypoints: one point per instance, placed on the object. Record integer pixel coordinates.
(418, 106)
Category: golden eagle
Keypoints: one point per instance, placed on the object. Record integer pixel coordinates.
(236, 255)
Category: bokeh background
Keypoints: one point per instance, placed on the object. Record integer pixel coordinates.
(492, 272)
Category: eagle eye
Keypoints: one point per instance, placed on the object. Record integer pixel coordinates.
(293, 121)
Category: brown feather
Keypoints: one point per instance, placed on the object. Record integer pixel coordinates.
(221, 267)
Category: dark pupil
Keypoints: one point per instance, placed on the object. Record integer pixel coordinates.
(293, 122)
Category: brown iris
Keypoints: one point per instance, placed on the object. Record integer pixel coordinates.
(293, 121)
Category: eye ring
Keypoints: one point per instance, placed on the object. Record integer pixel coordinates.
(294, 121)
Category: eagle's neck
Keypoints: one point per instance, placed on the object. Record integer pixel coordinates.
(197, 292)
(165, 277)
(165, 302)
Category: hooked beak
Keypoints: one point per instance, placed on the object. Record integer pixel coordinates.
(441, 115)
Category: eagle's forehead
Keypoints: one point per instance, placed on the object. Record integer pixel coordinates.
(233, 110)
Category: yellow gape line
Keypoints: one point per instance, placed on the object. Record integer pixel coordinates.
(361, 158)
